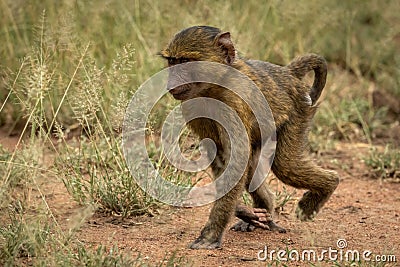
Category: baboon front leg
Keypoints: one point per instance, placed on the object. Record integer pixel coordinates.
(222, 211)
(263, 199)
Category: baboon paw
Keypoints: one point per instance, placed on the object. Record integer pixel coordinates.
(275, 228)
(270, 225)
(310, 204)
(305, 216)
(202, 243)
(257, 217)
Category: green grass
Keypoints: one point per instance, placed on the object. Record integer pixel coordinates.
(22, 240)
(69, 68)
(38, 243)
(384, 164)
(94, 173)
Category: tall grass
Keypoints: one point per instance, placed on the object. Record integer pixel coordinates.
(92, 168)
(360, 36)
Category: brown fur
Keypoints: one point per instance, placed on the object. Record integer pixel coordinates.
(293, 106)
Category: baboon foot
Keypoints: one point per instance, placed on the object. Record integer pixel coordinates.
(275, 228)
(208, 239)
(255, 216)
(242, 226)
(309, 205)
(252, 218)
(203, 243)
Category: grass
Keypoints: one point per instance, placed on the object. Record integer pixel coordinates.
(95, 174)
(35, 243)
(22, 240)
(384, 164)
(92, 168)
(69, 69)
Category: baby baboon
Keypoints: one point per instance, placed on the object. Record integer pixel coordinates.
(293, 105)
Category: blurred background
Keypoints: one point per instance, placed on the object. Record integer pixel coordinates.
(359, 39)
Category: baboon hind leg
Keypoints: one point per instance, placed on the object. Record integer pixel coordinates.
(294, 167)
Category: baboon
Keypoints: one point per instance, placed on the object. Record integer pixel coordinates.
(293, 104)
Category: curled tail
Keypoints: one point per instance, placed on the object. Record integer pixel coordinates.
(300, 66)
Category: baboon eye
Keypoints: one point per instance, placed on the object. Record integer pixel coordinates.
(171, 60)
(184, 60)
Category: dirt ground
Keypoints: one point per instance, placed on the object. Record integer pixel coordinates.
(364, 212)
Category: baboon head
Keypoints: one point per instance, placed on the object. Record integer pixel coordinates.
(197, 43)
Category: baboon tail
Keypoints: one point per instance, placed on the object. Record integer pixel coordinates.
(300, 66)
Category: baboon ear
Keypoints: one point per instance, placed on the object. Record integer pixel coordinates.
(224, 41)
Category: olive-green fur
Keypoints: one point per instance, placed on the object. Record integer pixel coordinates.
(293, 105)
